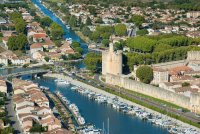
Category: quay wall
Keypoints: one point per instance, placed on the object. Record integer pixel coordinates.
(191, 103)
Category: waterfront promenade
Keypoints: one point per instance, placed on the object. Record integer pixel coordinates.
(78, 83)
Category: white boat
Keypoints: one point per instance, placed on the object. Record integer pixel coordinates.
(81, 120)
(44, 88)
(69, 40)
(67, 26)
(73, 107)
(62, 82)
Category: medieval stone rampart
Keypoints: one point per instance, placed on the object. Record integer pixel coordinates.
(191, 103)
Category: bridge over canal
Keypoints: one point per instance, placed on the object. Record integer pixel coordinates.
(32, 72)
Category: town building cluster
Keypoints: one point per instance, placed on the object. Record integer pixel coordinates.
(40, 44)
(181, 77)
(157, 21)
(32, 107)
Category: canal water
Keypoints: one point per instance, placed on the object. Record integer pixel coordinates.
(68, 33)
(99, 114)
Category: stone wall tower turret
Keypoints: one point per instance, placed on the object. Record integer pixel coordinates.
(111, 61)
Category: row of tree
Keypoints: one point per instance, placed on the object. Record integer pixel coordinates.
(150, 44)
(178, 53)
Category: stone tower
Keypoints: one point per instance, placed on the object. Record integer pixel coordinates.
(111, 61)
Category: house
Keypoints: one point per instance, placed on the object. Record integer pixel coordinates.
(2, 21)
(27, 123)
(3, 61)
(160, 76)
(54, 56)
(39, 56)
(179, 70)
(1, 124)
(5, 41)
(19, 102)
(25, 109)
(58, 131)
(66, 49)
(20, 61)
(8, 54)
(193, 14)
(43, 110)
(51, 122)
(35, 48)
(39, 37)
(3, 86)
(32, 105)
(18, 91)
(49, 44)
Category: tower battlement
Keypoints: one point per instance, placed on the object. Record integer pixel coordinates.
(112, 61)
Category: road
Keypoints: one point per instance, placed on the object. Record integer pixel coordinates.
(12, 115)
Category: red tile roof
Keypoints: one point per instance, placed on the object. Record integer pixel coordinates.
(39, 35)
(36, 45)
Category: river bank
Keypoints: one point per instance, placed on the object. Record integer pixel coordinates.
(78, 83)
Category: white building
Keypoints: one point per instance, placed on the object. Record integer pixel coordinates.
(2, 21)
(3, 86)
(35, 48)
(3, 61)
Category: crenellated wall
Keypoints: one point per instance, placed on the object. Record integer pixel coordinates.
(191, 103)
(193, 55)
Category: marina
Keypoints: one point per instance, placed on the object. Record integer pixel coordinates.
(97, 109)
(154, 119)
(82, 128)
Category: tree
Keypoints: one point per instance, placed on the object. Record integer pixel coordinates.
(145, 74)
(79, 50)
(75, 44)
(105, 42)
(46, 21)
(120, 29)
(15, 15)
(142, 32)
(56, 31)
(37, 128)
(88, 21)
(20, 25)
(72, 21)
(162, 47)
(95, 36)
(99, 20)
(138, 20)
(93, 62)
(118, 46)
(7, 130)
(185, 84)
(17, 42)
(92, 10)
(86, 31)
(46, 59)
(141, 44)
